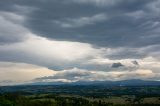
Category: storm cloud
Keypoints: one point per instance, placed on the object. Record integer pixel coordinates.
(81, 39)
(99, 22)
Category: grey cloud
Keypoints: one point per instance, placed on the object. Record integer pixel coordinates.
(124, 53)
(73, 75)
(117, 65)
(9, 30)
(70, 74)
(98, 2)
(135, 62)
(6, 82)
(31, 51)
(132, 25)
(82, 21)
(118, 30)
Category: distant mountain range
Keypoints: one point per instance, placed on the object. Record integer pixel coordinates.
(132, 82)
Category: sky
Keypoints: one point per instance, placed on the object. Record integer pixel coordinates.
(79, 40)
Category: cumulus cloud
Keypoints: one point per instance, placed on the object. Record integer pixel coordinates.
(76, 74)
(21, 73)
(70, 75)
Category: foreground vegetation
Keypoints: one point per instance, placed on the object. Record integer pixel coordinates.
(94, 96)
(14, 99)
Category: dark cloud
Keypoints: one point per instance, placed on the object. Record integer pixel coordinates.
(125, 53)
(128, 29)
(117, 65)
(135, 62)
(72, 74)
(120, 27)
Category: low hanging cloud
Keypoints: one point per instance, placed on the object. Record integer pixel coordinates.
(135, 62)
(76, 74)
(116, 65)
(21, 73)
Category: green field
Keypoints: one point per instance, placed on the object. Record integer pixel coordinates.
(79, 96)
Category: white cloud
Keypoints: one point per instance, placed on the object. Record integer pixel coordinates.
(75, 74)
(48, 53)
(52, 53)
(21, 73)
(51, 49)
